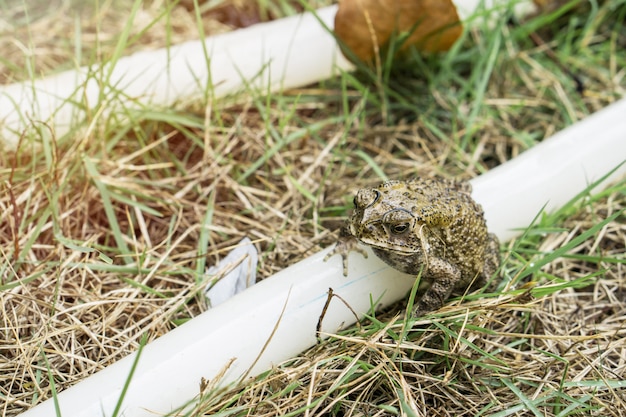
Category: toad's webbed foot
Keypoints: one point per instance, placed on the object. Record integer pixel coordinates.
(345, 244)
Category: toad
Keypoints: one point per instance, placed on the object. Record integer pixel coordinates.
(428, 225)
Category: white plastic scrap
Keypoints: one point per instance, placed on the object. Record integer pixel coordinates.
(237, 271)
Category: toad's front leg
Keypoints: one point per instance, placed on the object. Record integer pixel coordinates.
(346, 243)
(445, 278)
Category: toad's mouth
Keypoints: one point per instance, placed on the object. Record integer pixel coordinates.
(400, 248)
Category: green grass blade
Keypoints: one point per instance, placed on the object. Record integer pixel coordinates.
(108, 209)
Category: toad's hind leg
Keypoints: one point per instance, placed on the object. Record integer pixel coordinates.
(492, 262)
(445, 278)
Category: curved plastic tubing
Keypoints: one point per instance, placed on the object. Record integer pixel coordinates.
(283, 310)
(285, 53)
(554, 171)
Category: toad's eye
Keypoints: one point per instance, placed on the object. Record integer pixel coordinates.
(400, 228)
(398, 221)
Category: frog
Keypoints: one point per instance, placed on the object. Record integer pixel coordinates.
(428, 227)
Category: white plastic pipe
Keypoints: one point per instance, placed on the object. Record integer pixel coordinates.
(271, 56)
(554, 171)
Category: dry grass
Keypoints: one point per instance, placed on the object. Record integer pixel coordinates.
(104, 236)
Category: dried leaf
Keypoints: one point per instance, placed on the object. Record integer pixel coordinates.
(367, 26)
